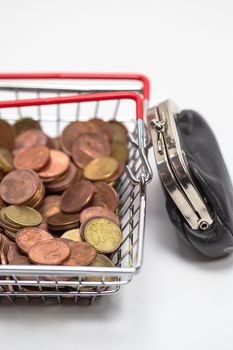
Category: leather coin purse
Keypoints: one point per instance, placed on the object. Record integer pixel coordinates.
(198, 189)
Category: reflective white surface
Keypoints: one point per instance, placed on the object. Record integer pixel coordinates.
(180, 300)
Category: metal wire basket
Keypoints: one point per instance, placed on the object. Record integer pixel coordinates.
(72, 283)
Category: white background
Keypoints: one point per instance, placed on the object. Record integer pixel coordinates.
(180, 300)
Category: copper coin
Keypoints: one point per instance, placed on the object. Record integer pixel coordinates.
(104, 128)
(73, 131)
(62, 220)
(63, 184)
(51, 206)
(57, 164)
(51, 252)
(77, 197)
(29, 236)
(19, 186)
(54, 143)
(52, 199)
(7, 134)
(13, 252)
(44, 225)
(20, 260)
(105, 196)
(82, 254)
(37, 199)
(32, 158)
(4, 243)
(30, 138)
(91, 212)
(88, 147)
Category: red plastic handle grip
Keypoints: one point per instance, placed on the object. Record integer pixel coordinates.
(99, 76)
(79, 98)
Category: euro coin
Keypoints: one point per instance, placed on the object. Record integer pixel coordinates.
(6, 161)
(103, 234)
(101, 260)
(100, 169)
(73, 235)
(23, 216)
(119, 151)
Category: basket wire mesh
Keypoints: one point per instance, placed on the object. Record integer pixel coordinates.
(62, 283)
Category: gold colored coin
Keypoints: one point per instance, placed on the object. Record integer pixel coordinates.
(23, 216)
(119, 151)
(103, 234)
(101, 261)
(26, 123)
(100, 168)
(74, 235)
(6, 163)
(119, 132)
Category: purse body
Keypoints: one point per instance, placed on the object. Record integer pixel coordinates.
(208, 172)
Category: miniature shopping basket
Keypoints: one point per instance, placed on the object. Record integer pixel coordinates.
(55, 107)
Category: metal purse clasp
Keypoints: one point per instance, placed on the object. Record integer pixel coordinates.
(173, 167)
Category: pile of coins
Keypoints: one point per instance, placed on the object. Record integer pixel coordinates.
(58, 202)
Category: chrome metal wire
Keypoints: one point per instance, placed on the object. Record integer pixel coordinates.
(69, 284)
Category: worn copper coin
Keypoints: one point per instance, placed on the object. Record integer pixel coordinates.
(30, 138)
(82, 254)
(32, 158)
(105, 196)
(100, 169)
(103, 127)
(52, 199)
(88, 147)
(29, 236)
(77, 197)
(50, 206)
(92, 212)
(4, 244)
(13, 252)
(57, 164)
(19, 186)
(63, 221)
(50, 252)
(72, 132)
(59, 185)
(7, 135)
(20, 260)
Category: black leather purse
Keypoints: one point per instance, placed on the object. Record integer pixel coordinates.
(199, 193)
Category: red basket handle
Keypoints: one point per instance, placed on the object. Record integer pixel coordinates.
(79, 98)
(62, 75)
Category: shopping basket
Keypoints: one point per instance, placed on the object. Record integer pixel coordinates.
(69, 283)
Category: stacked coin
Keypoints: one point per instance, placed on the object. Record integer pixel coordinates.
(58, 200)
(15, 217)
(22, 187)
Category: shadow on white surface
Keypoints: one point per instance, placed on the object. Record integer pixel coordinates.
(103, 307)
